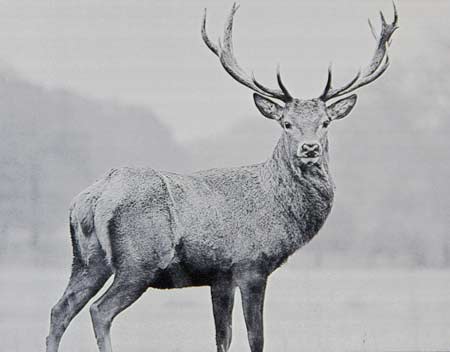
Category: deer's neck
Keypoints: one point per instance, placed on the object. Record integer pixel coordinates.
(303, 194)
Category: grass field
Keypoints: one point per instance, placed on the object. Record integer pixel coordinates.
(306, 310)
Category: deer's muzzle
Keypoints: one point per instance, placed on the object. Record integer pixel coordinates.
(309, 153)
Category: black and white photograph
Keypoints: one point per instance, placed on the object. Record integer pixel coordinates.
(225, 176)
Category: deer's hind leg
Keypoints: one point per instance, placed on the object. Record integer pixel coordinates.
(85, 281)
(126, 288)
(222, 294)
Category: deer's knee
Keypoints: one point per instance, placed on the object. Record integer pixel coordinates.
(58, 311)
(55, 312)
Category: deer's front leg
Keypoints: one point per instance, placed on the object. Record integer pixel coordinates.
(252, 292)
(222, 294)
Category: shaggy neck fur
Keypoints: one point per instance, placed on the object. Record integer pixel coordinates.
(303, 193)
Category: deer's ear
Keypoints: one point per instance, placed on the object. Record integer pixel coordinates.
(341, 108)
(267, 107)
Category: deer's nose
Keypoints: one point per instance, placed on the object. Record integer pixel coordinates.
(310, 150)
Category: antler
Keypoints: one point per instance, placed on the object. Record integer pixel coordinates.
(230, 64)
(378, 65)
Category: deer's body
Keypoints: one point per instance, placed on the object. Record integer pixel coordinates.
(189, 228)
(224, 228)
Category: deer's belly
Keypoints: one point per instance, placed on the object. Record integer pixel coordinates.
(178, 275)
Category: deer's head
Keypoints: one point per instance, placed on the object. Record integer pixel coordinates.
(305, 122)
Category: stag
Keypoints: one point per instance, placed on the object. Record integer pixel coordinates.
(223, 228)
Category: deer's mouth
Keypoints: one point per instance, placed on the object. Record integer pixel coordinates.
(310, 157)
(310, 160)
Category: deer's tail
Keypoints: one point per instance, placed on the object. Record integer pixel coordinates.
(90, 240)
(82, 231)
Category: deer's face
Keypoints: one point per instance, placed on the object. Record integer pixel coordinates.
(305, 124)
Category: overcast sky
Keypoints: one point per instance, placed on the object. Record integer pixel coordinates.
(150, 53)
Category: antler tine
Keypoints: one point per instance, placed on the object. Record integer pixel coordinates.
(283, 93)
(383, 20)
(230, 64)
(283, 88)
(267, 90)
(329, 92)
(374, 34)
(395, 14)
(228, 30)
(327, 89)
(377, 66)
(213, 47)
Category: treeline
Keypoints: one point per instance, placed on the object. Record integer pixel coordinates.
(53, 143)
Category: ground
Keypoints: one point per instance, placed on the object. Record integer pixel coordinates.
(306, 310)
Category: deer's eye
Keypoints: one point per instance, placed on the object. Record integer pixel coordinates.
(325, 124)
(287, 125)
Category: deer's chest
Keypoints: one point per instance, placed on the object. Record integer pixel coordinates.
(305, 209)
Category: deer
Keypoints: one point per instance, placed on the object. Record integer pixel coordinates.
(226, 228)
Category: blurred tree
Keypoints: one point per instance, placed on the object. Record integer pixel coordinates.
(54, 143)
